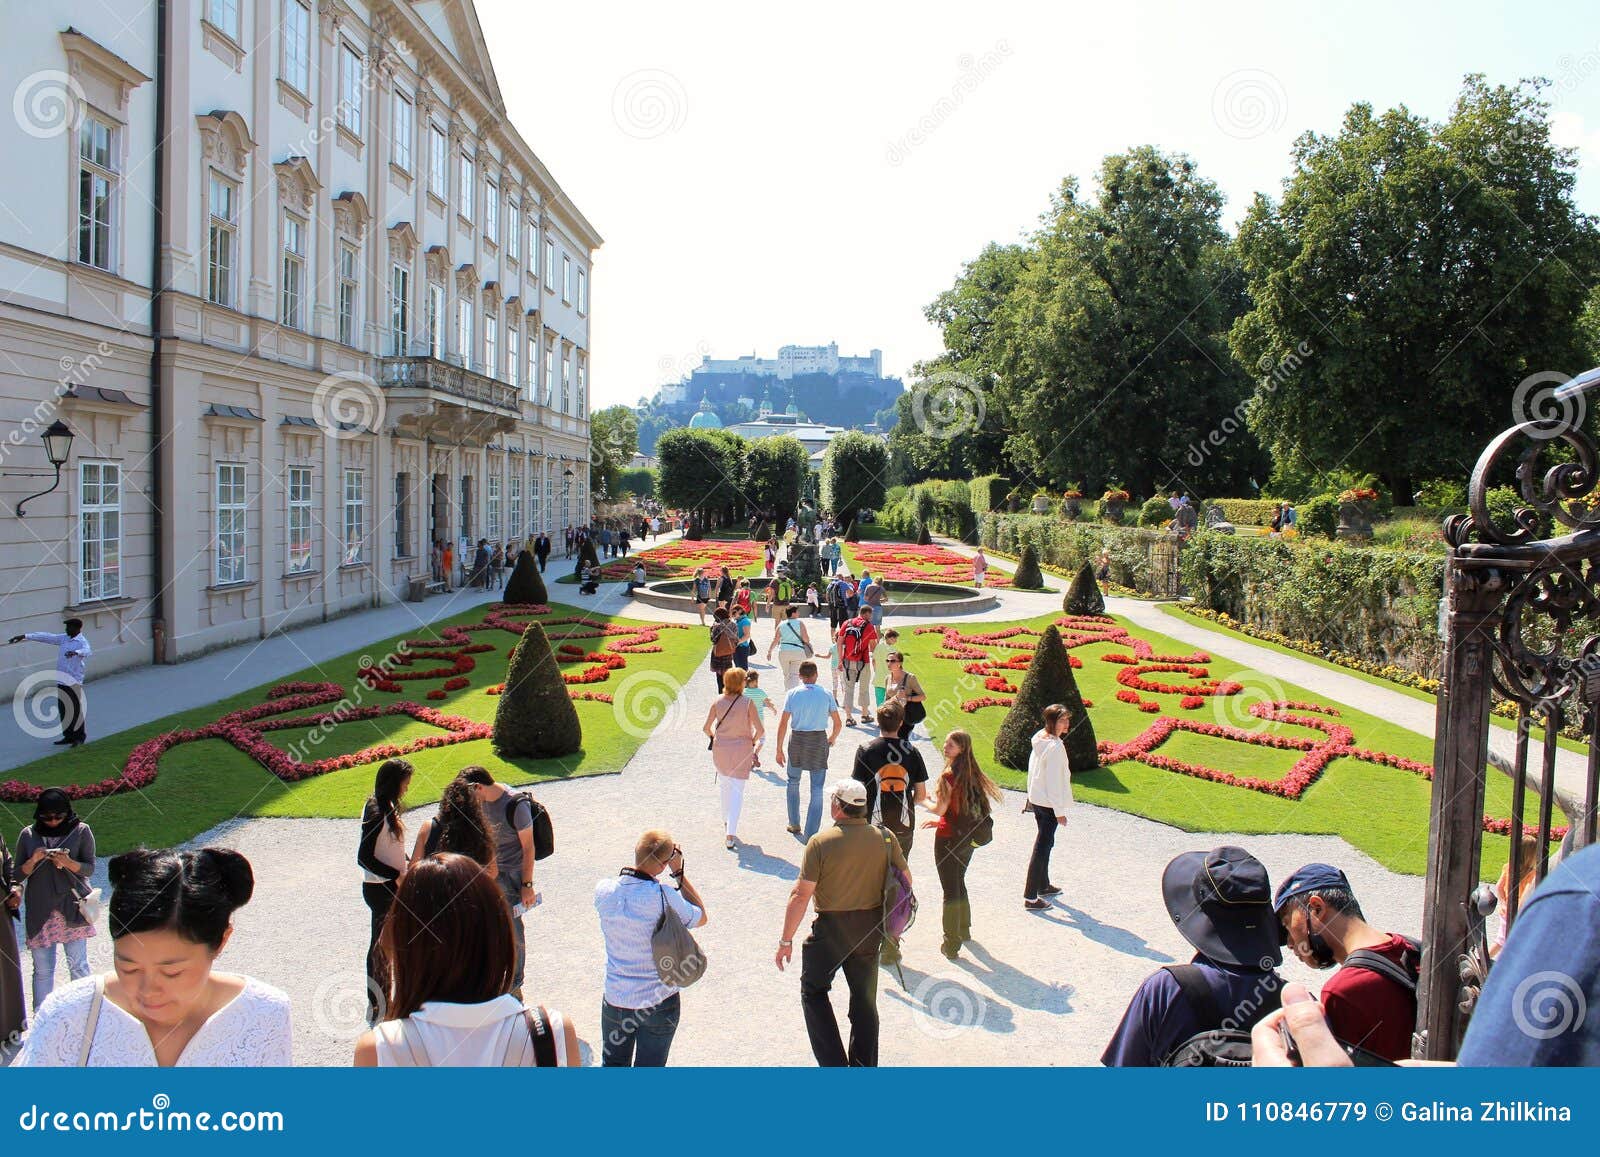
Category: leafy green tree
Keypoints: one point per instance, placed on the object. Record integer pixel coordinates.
(1110, 352)
(1413, 270)
(702, 471)
(777, 469)
(854, 475)
(613, 441)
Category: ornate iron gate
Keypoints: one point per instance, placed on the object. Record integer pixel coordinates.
(1515, 603)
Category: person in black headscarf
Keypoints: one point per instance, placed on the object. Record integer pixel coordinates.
(56, 857)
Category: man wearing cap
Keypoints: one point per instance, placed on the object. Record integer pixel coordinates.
(1372, 1000)
(72, 653)
(1221, 901)
(843, 870)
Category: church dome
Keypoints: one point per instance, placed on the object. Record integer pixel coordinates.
(705, 417)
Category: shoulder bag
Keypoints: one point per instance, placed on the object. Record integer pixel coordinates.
(93, 1021)
(679, 959)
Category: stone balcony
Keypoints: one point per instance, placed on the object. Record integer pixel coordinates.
(426, 397)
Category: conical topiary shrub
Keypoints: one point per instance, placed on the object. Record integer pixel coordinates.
(853, 534)
(1083, 596)
(1028, 577)
(586, 558)
(525, 587)
(535, 716)
(1049, 680)
(923, 537)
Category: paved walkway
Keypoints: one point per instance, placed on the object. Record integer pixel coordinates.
(1032, 988)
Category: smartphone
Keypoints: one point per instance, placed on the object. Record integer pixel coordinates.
(1359, 1057)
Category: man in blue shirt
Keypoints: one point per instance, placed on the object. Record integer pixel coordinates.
(639, 1013)
(72, 649)
(1221, 901)
(807, 711)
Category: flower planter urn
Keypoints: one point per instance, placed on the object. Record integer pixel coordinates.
(1073, 509)
(1041, 504)
(1112, 510)
(1355, 519)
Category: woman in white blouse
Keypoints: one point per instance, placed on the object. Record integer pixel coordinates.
(171, 914)
(450, 958)
(1049, 797)
(382, 856)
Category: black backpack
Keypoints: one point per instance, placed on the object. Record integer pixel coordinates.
(1214, 1048)
(544, 831)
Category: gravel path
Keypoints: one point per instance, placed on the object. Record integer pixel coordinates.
(1034, 988)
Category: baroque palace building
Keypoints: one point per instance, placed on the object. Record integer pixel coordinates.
(306, 299)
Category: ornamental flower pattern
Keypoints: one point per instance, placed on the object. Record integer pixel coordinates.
(899, 562)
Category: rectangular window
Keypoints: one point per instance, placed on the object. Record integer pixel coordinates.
(230, 524)
(224, 16)
(491, 212)
(347, 294)
(583, 384)
(467, 521)
(491, 497)
(469, 184)
(513, 358)
(549, 264)
(297, 45)
(514, 524)
(535, 489)
(96, 188)
(99, 530)
(513, 245)
(464, 331)
(438, 163)
(400, 310)
(583, 292)
(404, 128)
(355, 515)
(352, 88)
(491, 345)
(549, 371)
(292, 295)
(300, 519)
(224, 229)
(402, 515)
(566, 279)
(566, 383)
(436, 320)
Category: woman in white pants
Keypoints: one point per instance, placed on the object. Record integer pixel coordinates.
(791, 641)
(734, 727)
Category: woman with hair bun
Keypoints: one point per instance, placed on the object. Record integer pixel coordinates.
(171, 914)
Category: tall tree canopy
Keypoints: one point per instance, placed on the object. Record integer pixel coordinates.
(854, 474)
(1410, 277)
(1111, 349)
(776, 468)
(701, 470)
(613, 441)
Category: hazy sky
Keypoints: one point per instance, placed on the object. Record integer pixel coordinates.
(766, 174)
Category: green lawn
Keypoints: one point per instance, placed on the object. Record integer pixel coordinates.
(1383, 811)
(207, 781)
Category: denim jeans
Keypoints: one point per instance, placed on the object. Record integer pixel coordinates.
(814, 810)
(1039, 862)
(639, 1038)
(44, 967)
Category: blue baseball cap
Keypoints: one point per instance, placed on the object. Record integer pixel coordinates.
(1311, 878)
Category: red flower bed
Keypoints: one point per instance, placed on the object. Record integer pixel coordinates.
(902, 562)
(681, 558)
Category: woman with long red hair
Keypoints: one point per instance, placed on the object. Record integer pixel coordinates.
(964, 803)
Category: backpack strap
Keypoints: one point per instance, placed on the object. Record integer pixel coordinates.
(1196, 994)
(543, 1037)
(1377, 962)
(93, 1022)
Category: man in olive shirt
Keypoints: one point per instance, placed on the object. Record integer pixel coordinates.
(844, 870)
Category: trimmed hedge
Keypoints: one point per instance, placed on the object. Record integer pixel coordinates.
(1139, 558)
(526, 586)
(535, 716)
(1083, 596)
(1027, 576)
(1049, 680)
(989, 493)
(1244, 511)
